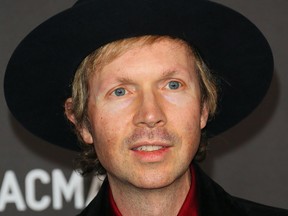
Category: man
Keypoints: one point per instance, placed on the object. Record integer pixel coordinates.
(133, 78)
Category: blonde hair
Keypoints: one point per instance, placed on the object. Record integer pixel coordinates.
(88, 162)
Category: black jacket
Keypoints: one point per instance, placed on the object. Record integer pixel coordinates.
(213, 201)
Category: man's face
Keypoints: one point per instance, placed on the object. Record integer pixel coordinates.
(146, 116)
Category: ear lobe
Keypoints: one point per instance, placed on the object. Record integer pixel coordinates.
(204, 116)
(86, 135)
(84, 132)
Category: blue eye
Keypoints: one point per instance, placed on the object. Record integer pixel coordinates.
(174, 85)
(119, 92)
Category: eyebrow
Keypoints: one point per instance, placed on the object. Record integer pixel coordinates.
(124, 80)
(169, 73)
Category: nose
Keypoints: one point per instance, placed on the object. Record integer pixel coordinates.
(150, 111)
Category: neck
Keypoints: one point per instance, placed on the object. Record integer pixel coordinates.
(167, 200)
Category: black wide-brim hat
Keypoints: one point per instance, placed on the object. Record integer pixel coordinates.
(39, 75)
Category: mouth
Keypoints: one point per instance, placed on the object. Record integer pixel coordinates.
(149, 148)
(151, 152)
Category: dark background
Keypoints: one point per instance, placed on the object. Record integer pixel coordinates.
(250, 160)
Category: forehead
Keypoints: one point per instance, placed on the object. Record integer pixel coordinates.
(160, 54)
(106, 54)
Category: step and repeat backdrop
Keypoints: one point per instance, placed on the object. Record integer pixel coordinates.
(249, 161)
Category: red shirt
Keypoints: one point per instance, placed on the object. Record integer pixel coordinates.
(189, 207)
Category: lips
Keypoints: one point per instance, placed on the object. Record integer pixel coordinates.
(151, 152)
(148, 148)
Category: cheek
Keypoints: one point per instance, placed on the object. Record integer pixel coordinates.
(185, 111)
(188, 101)
(191, 140)
(108, 136)
(107, 128)
(110, 118)
(104, 139)
(193, 133)
(103, 130)
(186, 118)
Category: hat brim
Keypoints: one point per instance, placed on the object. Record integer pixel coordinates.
(39, 74)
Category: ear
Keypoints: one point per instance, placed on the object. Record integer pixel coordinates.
(84, 132)
(204, 115)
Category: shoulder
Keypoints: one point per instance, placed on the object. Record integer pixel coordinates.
(214, 200)
(255, 209)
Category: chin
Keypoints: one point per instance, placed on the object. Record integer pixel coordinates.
(157, 180)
